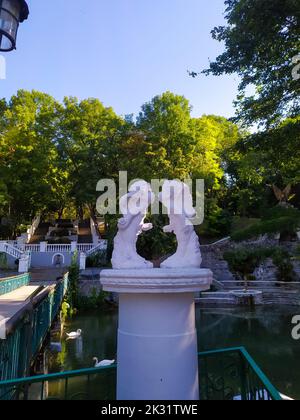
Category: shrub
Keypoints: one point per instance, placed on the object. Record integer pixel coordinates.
(285, 268)
(3, 261)
(280, 225)
(219, 223)
(155, 243)
(73, 289)
(92, 302)
(243, 261)
(6, 231)
(98, 259)
(281, 211)
(112, 230)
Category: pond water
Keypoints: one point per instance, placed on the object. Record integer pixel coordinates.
(265, 332)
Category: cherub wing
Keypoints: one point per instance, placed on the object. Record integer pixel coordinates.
(287, 192)
(278, 193)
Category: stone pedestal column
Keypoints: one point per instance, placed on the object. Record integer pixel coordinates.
(157, 338)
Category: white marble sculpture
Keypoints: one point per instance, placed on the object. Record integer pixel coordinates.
(177, 198)
(134, 207)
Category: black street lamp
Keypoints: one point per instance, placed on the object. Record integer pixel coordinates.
(12, 12)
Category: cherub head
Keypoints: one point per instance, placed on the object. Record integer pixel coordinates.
(177, 198)
(138, 199)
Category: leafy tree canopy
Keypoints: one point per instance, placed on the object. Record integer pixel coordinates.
(53, 154)
(29, 173)
(261, 39)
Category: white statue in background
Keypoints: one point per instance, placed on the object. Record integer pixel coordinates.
(177, 198)
(133, 206)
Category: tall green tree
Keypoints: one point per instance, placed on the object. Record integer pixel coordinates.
(88, 145)
(29, 172)
(261, 38)
(179, 146)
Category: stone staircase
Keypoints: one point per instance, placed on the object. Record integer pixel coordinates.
(10, 250)
(84, 232)
(212, 258)
(40, 233)
(274, 293)
(215, 299)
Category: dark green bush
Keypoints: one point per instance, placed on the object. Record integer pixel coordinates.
(92, 302)
(285, 268)
(284, 220)
(3, 261)
(155, 243)
(73, 289)
(243, 261)
(6, 232)
(281, 225)
(281, 211)
(112, 230)
(219, 223)
(97, 260)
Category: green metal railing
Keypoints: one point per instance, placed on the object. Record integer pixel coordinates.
(232, 374)
(44, 313)
(25, 335)
(86, 384)
(229, 374)
(10, 284)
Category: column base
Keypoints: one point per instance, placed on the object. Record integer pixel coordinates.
(157, 337)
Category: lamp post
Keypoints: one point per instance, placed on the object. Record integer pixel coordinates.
(12, 13)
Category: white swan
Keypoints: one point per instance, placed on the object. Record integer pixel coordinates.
(103, 363)
(74, 335)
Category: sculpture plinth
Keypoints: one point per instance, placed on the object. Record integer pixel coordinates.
(157, 338)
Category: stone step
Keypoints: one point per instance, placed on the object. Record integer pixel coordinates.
(217, 284)
(215, 294)
(261, 285)
(214, 301)
(84, 232)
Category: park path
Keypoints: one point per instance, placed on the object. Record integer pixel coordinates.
(46, 276)
(12, 303)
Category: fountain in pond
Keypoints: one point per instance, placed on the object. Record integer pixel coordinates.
(157, 338)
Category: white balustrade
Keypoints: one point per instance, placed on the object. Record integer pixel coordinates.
(84, 247)
(16, 250)
(102, 246)
(58, 248)
(10, 249)
(32, 247)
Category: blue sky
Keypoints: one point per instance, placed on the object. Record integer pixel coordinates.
(123, 52)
